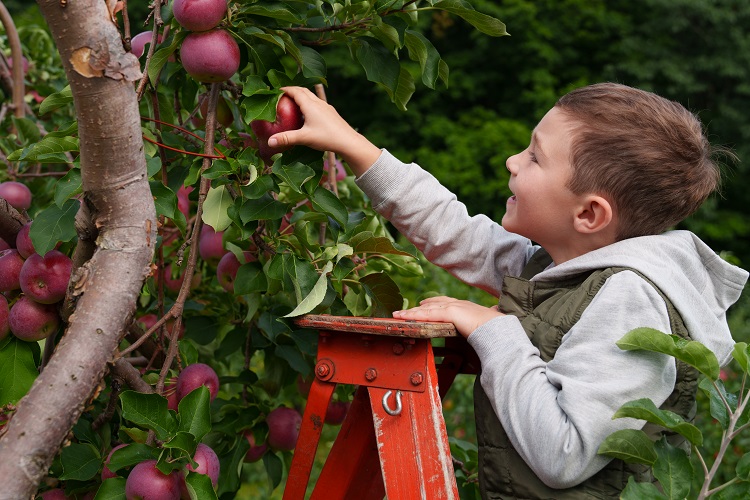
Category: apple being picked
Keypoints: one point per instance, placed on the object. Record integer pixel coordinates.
(146, 482)
(31, 321)
(283, 428)
(288, 117)
(199, 15)
(45, 279)
(210, 56)
(194, 376)
(16, 194)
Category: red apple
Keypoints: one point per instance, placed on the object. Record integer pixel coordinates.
(340, 170)
(256, 451)
(11, 264)
(16, 194)
(170, 392)
(226, 269)
(336, 412)
(199, 15)
(24, 63)
(24, 245)
(31, 321)
(4, 312)
(138, 43)
(45, 279)
(208, 464)
(3, 245)
(283, 428)
(148, 320)
(288, 117)
(303, 385)
(194, 376)
(146, 482)
(106, 473)
(183, 200)
(210, 245)
(210, 56)
(54, 494)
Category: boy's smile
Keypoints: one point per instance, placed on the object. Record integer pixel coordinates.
(542, 207)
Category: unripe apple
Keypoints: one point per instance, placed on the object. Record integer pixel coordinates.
(226, 269)
(210, 56)
(336, 412)
(210, 245)
(146, 482)
(256, 451)
(283, 428)
(16, 194)
(4, 312)
(11, 264)
(208, 464)
(106, 473)
(199, 15)
(24, 245)
(224, 114)
(45, 279)
(194, 376)
(31, 321)
(288, 117)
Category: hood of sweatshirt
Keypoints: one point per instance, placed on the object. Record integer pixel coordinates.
(699, 283)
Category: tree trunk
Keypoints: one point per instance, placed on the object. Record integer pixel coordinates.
(118, 197)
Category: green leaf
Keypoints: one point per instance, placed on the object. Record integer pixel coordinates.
(422, 50)
(741, 354)
(216, 208)
(199, 486)
(645, 409)
(231, 466)
(380, 65)
(404, 88)
(80, 462)
(640, 491)
(274, 469)
(48, 145)
(717, 407)
(384, 292)
(295, 175)
(112, 489)
(274, 10)
(54, 224)
(220, 168)
(194, 413)
(743, 467)
(250, 278)
(673, 470)
(367, 242)
(27, 129)
(263, 208)
(161, 56)
(316, 296)
(691, 352)
(294, 357)
(56, 100)
(68, 186)
(183, 441)
(149, 411)
(130, 455)
(484, 23)
(261, 105)
(165, 200)
(18, 365)
(325, 201)
(313, 64)
(630, 446)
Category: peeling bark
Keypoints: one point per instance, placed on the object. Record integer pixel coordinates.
(118, 199)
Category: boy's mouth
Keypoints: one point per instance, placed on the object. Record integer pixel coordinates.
(512, 199)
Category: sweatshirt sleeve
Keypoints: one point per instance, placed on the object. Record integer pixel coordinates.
(557, 414)
(475, 249)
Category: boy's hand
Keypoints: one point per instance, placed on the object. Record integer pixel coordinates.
(466, 316)
(326, 130)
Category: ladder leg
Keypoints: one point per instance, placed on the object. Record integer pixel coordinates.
(307, 442)
(413, 445)
(352, 469)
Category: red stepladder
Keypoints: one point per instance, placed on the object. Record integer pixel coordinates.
(393, 442)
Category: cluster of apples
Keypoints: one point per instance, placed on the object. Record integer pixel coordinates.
(32, 287)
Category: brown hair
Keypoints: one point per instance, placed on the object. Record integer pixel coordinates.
(646, 154)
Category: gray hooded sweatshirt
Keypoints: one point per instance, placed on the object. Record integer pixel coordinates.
(557, 414)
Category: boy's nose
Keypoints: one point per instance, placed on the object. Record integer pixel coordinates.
(510, 164)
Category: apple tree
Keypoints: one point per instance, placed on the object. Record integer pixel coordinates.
(184, 244)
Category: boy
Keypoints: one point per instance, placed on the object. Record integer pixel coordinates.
(580, 259)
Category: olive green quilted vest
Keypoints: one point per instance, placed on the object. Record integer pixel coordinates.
(547, 311)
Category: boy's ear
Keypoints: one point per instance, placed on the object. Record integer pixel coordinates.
(594, 215)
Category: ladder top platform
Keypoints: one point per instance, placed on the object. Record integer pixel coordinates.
(378, 326)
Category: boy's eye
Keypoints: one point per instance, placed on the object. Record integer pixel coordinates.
(532, 156)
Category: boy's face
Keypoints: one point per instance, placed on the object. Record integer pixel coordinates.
(542, 207)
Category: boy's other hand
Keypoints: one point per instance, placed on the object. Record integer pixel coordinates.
(325, 130)
(466, 316)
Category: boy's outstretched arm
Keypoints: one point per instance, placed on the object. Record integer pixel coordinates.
(466, 316)
(326, 130)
